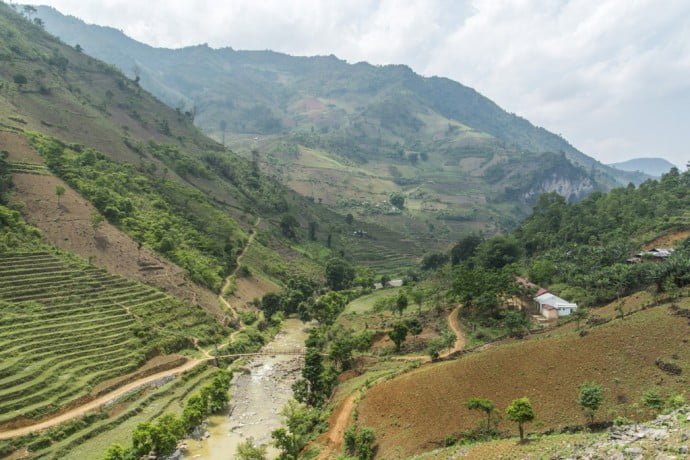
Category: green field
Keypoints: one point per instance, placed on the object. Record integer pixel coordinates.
(79, 327)
(366, 303)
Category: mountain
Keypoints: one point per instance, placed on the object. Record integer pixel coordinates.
(654, 167)
(351, 135)
(130, 242)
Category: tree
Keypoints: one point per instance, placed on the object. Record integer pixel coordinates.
(418, 298)
(401, 303)
(313, 226)
(194, 412)
(339, 274)
(465, 248)
(349, 219)
(20, 80)
(398, 335)
(397, 200)
(299, 422)
(520, 411)
(433, 261)
(78, 48)
(413, 157)
(271, 304)
(499, 252)
(516, 323)
(248, 451)
(115, 452)
(485, 405)
(590, 398)
(288, 226)
(59, 191)
(414, 327)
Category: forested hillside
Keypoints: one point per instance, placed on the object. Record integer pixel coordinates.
(353, 136)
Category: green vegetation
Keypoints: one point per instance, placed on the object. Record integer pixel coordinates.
(485, 405)
(160, 437)
(301, 424)
(80, 321)
(175, 220)
(520, 411)
(590, 399)
(360, 443)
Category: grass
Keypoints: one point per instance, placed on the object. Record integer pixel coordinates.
(366, 303)
(419, 409)
(79, 326)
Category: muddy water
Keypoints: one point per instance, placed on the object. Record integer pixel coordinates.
(256, 399)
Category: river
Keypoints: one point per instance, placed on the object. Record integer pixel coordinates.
(256, 399)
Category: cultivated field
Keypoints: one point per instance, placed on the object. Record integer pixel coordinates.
(416, 411)
(65, 327)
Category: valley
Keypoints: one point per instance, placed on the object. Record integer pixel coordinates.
(211, 253)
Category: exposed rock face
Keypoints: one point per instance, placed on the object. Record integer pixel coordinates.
(570, 189)
(666, 437)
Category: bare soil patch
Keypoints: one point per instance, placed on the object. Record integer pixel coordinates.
(18, 148)
(668, 240)
(414, 412)
(248, 289)
(68, 226)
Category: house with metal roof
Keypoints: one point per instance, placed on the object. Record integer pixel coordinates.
(553, 307)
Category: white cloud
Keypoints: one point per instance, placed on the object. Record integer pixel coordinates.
(595, 71)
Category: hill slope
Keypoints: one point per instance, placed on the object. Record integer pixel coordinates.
(350, 135)
(654, 167)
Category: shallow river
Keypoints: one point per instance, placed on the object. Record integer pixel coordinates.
(256, 399)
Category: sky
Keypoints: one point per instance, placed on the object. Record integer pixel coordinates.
(611, 76)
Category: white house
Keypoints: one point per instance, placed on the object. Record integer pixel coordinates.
(551, 306)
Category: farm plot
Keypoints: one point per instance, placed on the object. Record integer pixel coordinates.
(66, 326)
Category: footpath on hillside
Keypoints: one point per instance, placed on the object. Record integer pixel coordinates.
(341, 416)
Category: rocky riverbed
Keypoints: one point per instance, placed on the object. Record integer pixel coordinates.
(257, 397)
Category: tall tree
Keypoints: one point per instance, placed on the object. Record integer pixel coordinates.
(520, 411)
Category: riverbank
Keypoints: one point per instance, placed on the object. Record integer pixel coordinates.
(258, 393)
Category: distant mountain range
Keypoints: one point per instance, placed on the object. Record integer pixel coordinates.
(350, 135)
(652, 166)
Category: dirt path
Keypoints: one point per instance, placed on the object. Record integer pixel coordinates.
(454, 324)
(98, 402)
(228, 279)
(340, 418)
(338, 422)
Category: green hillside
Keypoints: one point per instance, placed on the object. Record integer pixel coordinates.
(96, 114)
(352, 135)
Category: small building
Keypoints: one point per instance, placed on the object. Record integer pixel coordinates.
(656, 254)
(551, 306)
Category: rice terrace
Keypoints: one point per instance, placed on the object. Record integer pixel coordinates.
(288, 231)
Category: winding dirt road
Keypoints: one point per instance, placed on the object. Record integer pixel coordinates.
(341, 416)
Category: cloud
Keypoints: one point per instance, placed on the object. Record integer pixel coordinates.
(595, 71)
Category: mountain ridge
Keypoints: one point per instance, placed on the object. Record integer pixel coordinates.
(456, 156)
(648, 165)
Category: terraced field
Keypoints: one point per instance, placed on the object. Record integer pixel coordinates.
(28, 168)
(66, 326)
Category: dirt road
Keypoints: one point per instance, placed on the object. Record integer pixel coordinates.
(338, 422)
(98, 402)
(340, 418)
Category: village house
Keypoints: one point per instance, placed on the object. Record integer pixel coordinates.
(553, 307)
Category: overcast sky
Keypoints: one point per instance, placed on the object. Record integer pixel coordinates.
(611, 76)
